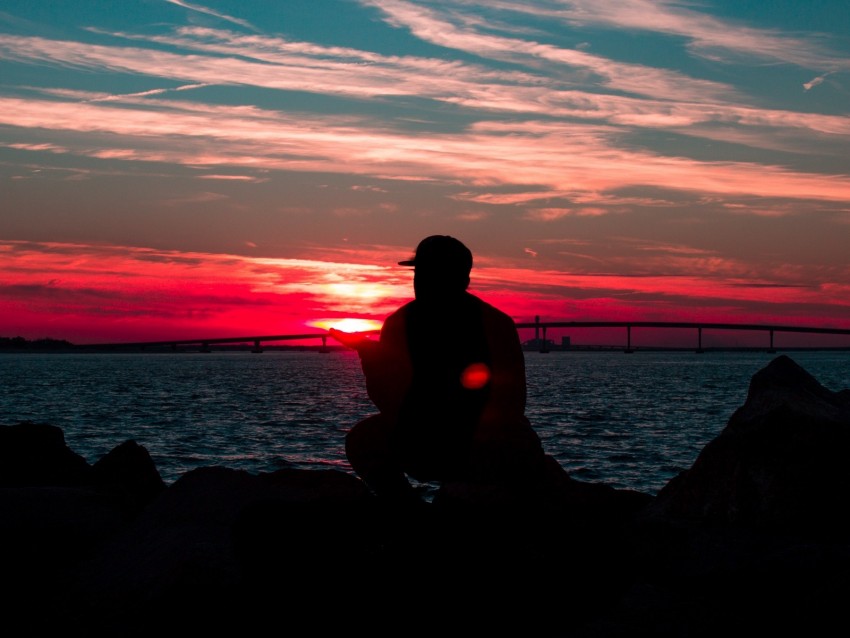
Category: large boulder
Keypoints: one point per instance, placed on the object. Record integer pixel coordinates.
(35, 454)
(217, 542)
(129, 474)
(55, 508)
(779, 464)
(57, 511)
(755, 534)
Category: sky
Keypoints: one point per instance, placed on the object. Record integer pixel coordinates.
(174, 169)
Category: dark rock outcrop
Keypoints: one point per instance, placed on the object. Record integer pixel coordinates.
(56, 512)
(752, 537)
(755, 534)
(129, 473)
(35, 454)
(780, 463)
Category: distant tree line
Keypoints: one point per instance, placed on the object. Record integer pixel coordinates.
(19, 343)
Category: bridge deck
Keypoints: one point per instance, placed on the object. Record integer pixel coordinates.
(540, 327)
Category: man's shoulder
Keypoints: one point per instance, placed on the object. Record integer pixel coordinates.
(492, 313)
(397, 318)
(399, 313)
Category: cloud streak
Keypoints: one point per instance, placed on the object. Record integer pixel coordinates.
(210, 12)
(551, 157)
(123, 285)
(138, 293)
(708, 36)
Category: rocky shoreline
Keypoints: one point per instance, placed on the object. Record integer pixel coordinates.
(752, 537)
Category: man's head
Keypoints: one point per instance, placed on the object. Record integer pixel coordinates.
(441, 267)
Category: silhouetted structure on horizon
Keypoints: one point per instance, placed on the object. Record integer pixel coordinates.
(257, 343)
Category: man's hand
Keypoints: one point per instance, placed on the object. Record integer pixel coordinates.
(354, 340)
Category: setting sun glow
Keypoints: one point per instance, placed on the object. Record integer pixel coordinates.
(348, 324)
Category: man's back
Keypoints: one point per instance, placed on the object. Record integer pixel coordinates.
(454, 350)
(448, 377)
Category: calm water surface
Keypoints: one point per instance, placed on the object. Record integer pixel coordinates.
(632, 421)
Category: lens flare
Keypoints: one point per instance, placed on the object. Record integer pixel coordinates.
(475, 376)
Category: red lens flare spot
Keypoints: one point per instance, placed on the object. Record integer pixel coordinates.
(475, 376)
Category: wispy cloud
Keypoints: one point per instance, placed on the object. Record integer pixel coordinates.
(437, 28)
(708, 36)
(216, 14)
(234, 178)
(333, 71)
(557, 157)
(129, 96)
(815, 81)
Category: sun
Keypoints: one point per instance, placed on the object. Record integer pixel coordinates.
(348, 324)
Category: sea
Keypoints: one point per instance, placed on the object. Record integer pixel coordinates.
(629, 420)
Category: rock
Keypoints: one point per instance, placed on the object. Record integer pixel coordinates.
(215, 534)
(46, 533)
(779, 465)
(129, 473)
(35, 454)
(751, 536)
(57, 511)
(755, 534)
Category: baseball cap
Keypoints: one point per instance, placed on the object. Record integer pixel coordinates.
(441, 252)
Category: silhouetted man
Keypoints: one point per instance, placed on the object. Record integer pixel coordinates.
(448, 379)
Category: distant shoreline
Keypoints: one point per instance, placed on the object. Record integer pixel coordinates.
(36, 348)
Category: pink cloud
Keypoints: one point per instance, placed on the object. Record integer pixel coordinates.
(93, 293)
(557, 158)
(145, 294)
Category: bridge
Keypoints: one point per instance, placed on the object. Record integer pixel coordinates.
(540, 329)
(203, 345)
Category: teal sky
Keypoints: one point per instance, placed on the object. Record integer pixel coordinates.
(174, 167)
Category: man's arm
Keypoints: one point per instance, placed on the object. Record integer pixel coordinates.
(508, 383)
(505, 446)
(387, 366)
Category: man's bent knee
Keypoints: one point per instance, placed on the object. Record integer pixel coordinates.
(368, 443)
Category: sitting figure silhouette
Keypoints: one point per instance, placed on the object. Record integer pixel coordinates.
(448, 378)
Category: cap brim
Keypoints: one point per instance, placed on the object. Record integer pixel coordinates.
(407, 262)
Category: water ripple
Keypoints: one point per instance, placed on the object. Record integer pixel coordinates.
(631, 421)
